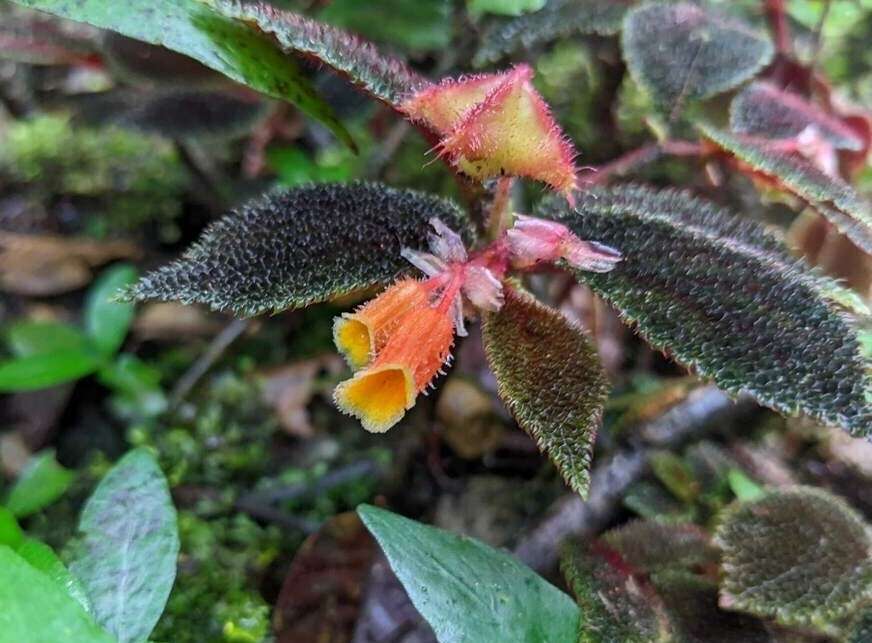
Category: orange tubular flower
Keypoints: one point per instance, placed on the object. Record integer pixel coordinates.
(361, 334)
(380, 394)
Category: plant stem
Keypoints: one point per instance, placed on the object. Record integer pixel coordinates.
(637, 158)
(499, 215)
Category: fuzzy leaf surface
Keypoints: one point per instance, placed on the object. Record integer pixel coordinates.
(127, 558)
(196, 29)
(762, 109)
(649, 546)
(388, 79)
(799, 555)
(558, 18)
(467, 591)
(696, 286)
(680, 52)
(549, 375)
(38, 609)
(832, 197)
(615, 606)
(291, 249)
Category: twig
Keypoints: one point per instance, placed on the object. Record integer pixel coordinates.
(776, 13)
(198, 369)
(573, 517)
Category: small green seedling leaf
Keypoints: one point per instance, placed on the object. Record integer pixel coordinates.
(197, 29)
(388, 79)
(46, 370)
(799, 555)
(38, 609)
(615, 605)
(680, 52)
(698, 286)
(42, 558)
(467, 591)
(41, 482)
(832, 197)
(745, 489)
(10, 533)
(106, 320)
(549, 375)
(290, 249)
(503, 7)
(27, 338)
(558, 18)
(412, 25)
(763, 109)
(130, 542)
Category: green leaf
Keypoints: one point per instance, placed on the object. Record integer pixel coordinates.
(106, 320)
(467, 591)
(127, 558)
(41, 482)
(388, 79)
(696, 285)
(42, 558)
(37, 609)
(27, 338)
(294, 248)
(10, 533)
(196, 29)
(680, 52)
(799, 555)
(832, 197)
(42, 371)
(615, 606)
(650, 546)
(549, 375)
(503, 7)
(558, 18)
(413, 25)
(743, 487)
(763, 109)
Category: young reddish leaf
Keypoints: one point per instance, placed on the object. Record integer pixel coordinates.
(680, 52)
(762, 109)
(443, 106)
(615, 604)
(558, 18)
(549, 375)
(649, 546)
(832, 197)
(198, 30)
(294, 248)
(696, 285)
(388, 79)
(799, 555)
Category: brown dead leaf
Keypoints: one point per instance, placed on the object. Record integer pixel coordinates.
(322, 592)
(469, 425)
(172, 321)
(43, 265)
(289, 389)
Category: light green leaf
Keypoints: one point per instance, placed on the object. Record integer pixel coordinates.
(42, 371)
(467, 591)
(549, 375)
(41, 557)
(107, 320)
(413, 25)
(127, 560)
(36, 609)
(10, 533)
(41, 482)
(194, 28)
(26, 338)
(503, 7)
(799, 555)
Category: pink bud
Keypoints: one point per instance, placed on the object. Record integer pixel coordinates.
(533, 241)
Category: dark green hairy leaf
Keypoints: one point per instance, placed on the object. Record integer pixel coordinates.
(832, 197)
(37, 609)
(388, 79)
(127, 559)
(762, 109)
(615, 606)
(799, 555)
(467, 591)
(298, 247)
(558, 18)
(197, 30)
(696, 285)
(680, 52)
(549, 375)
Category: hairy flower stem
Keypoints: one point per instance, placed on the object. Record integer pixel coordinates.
(500, 214)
